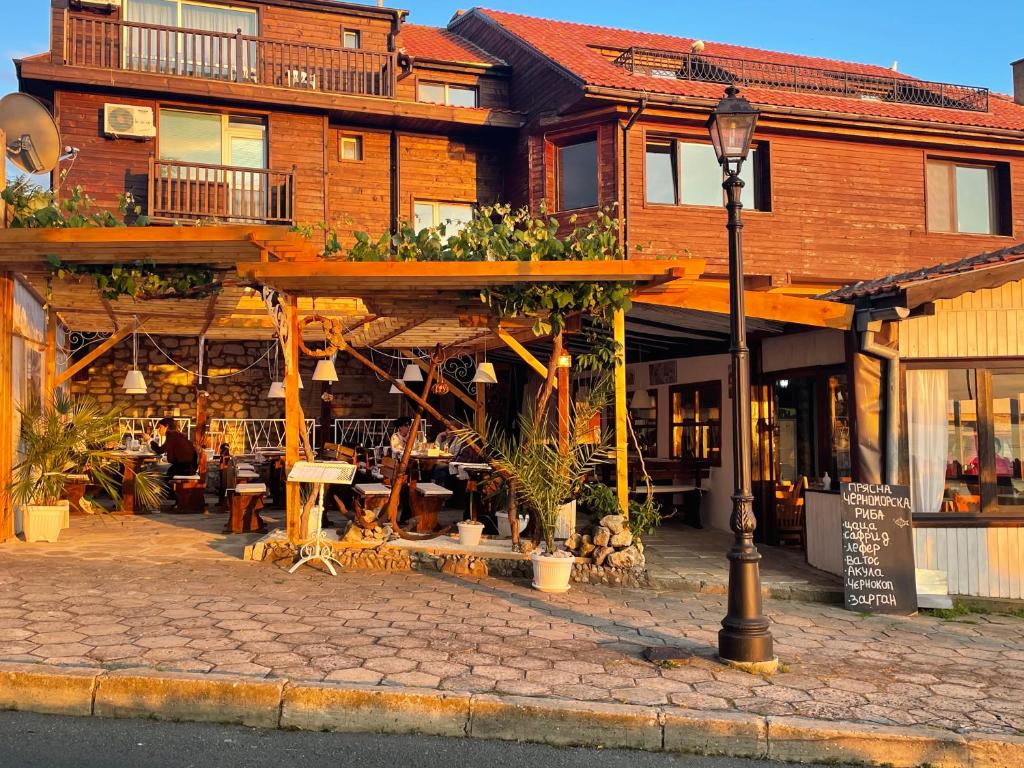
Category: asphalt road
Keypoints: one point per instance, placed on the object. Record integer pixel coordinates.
(46, 741)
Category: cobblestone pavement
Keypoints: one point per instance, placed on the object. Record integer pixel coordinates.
(181, 609)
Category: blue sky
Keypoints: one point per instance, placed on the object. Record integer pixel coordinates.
(947, 40)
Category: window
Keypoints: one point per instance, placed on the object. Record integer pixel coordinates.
(643, 410)
(965, 440)
(577, 175)
(189, 54)
(351, 38)
(697, 421)
(445, 93)
(968, 198)
(453, 216)
(210, 138)
(350, 148)
(685, 173)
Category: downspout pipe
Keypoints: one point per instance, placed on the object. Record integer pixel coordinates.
(869, 323)
(641, 106)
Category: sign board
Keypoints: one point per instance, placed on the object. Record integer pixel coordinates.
(325, 472)
(878, 548)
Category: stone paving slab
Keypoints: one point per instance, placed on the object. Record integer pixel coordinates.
(139, 607)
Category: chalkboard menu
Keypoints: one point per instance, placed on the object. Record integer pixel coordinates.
(878, 548)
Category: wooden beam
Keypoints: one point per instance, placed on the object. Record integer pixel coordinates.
(6, 404)
(94, 354)
(621, 459)
(211, 313)
(562, 382)
(50, 356)
(293, 423)
(396, 332)
(453, 387)
(480, 422)
(523, 352)
(709, 296)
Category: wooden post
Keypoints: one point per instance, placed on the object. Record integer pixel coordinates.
(563, 408)
(293, 423)
(6, 404)
(480, 416)
(621, 463)
(50, 359)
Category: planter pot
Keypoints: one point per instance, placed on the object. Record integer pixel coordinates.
(505, 527)
(551, 574)
(43, 523)
(470, 533)
(566, 525)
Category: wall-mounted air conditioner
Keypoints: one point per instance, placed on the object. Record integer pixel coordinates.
(128, 121)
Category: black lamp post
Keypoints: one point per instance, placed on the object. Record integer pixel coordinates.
(744, 636)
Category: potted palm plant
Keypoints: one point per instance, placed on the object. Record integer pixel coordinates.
(62, 440)
(546, 476)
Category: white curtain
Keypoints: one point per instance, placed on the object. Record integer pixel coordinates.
(928, 433)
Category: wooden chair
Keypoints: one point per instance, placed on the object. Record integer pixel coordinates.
(189, 494)
(246, 503)
(789, 512)
(426, 501)
(388, 468)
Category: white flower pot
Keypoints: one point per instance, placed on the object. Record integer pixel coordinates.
(43, 523)
(550, 573)
(470, 533)
(505, 527)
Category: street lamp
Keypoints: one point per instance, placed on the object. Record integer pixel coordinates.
(745, 637)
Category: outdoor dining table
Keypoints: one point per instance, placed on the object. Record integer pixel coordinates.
(132, 462)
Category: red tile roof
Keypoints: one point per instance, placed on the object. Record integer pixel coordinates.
(894, 283)
(442, 45)
(572, 46)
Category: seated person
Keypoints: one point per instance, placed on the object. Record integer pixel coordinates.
(225, 463)
(178, 449)
(401, 428)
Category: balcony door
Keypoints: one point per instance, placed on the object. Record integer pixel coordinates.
(214, 164)
(181, 37)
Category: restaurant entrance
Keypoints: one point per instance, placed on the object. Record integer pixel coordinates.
(801, 434)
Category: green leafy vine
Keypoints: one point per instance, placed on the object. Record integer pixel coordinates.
(142, 279)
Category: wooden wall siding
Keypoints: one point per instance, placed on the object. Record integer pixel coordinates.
(982, 562)
(321, 28)
(536, 86)
(493, 90)
(985, 323)
(299, 141)
(445, 169)
(105, 167)
(841, 210)
(359, 193)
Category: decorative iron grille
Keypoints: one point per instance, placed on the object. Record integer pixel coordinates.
(829, 82)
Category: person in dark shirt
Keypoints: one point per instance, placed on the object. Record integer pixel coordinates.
(178, 449)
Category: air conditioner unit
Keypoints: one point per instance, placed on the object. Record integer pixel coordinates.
(128, 121)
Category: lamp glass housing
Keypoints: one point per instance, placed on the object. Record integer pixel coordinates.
(731, 127)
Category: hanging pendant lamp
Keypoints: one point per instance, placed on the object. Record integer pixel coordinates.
(394, 390)
(485, 374)
(276, 391)
(412, 373)
(325, 371)
(134, 382)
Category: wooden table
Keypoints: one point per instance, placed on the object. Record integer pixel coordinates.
(133, 462)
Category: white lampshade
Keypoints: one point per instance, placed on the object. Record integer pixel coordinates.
(300, 382)
(276, 391)
(412, 373)
(134, 383)
(325, 371)
(642, 400)
(485, 374)
(394, 390)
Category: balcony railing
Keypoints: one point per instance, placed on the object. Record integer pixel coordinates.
(192, 191)
(763, 74)
(98, 42)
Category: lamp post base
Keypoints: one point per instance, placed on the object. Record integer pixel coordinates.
(745, 636)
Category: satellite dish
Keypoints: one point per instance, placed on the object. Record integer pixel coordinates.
(33, 142)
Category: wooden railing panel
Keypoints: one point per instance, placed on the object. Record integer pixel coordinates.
(179, 190)
(104, 43)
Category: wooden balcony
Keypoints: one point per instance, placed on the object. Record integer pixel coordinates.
(103, 43)
(193, 191)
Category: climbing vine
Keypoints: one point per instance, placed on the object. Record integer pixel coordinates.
(142, 279)
(29, 206)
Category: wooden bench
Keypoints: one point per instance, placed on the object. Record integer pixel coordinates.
(426, 501)
(246, 503)
(189, 494)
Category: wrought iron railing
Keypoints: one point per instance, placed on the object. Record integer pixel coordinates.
(105, 43)
(251, 435)
(197, 191)
(764, 74)
(369, 433)
(137, 426)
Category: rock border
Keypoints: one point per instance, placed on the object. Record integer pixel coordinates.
(314, 706)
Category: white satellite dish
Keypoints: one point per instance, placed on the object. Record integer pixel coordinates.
(33, 141)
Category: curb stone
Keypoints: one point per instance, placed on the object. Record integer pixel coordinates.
(278, 703)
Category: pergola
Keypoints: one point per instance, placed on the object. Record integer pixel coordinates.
(392, 305)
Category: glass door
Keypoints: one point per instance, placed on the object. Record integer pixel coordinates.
(245, 147)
